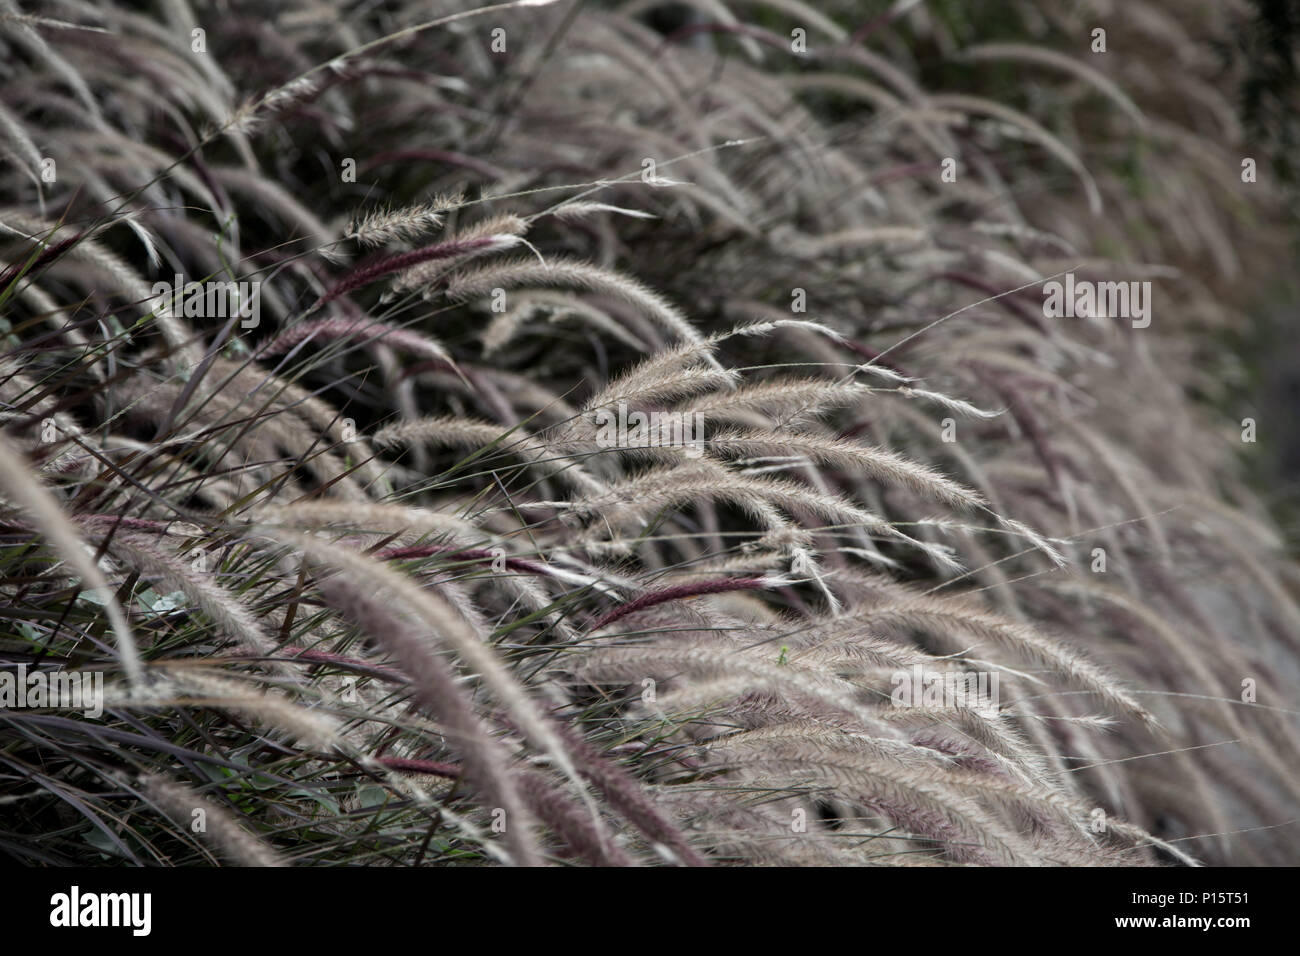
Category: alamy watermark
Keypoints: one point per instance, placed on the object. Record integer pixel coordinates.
(70, 690)
(1083, 298)
(945, 689)
(75, 908)
(626, 429)
(213, 299)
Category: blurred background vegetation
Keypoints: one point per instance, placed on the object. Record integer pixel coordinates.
(1258, 366)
